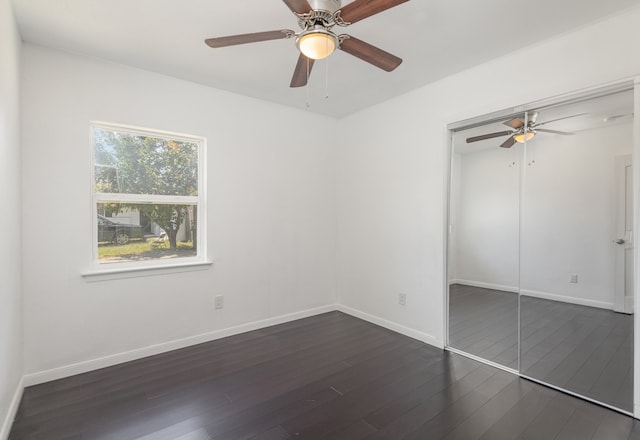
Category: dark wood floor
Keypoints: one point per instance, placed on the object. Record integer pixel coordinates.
(585, 350)
(331, 376)
(484, 322)
(582, 349)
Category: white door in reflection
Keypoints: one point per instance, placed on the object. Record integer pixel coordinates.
(623, 240)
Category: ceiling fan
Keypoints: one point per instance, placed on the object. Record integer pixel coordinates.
(317, 40)
(522, 131)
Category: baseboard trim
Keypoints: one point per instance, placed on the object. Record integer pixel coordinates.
(536, 294)
(567, 299)
(485, 285)
(5, 429)
(119, 358)
(108, 361)
(420, 336)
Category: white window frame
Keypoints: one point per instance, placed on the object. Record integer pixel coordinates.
(100, 271)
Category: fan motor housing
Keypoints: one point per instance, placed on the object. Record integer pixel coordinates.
(321, 14)
(325, 5)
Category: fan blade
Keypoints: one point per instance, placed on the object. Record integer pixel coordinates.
(614, 118)
(370, 54)
(249, 38)
(298, 6)
(302, 72)
(560, 119)
(488, 136)
(361, 9)
(508, 143)
(565, 133)
(514, 123)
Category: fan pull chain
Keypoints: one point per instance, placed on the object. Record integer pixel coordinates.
(326, 78)
(308, 103)
(532, 149)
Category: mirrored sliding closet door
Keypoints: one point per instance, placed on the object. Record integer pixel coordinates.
(541, 244)
(484, 245)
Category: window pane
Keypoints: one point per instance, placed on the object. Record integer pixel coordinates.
(129, 163)
(145, 231)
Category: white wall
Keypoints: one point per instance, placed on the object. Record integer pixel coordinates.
(486, 225)
(10, 257)
(567, 222)
(392, 166)
(568, 216)
(271, 220)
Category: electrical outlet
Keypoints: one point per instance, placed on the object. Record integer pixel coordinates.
(219, 301)
(402, 299)
(573, 278)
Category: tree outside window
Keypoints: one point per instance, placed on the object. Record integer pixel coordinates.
(147, 191)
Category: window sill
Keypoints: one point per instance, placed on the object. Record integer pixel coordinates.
(97, 275)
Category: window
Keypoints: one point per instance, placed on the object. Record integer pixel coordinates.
(148, 198)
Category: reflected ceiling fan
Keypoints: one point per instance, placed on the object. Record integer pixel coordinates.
(317, 40)
(522, 131)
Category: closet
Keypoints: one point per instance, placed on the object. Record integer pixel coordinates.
(541, 243)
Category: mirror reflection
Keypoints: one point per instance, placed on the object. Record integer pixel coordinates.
(575, 284)
(484, 248)
(541, 245)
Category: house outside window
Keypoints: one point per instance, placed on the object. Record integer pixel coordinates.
(148, 197)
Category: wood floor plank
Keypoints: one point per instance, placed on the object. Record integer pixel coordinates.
(277, 433)
(359, 376)
(548, 424)
(357, 431)
(635, 431)
(513, 423)
(582, 423)
(613, 425)
(351, 407)
(482, 420)
(424, 395)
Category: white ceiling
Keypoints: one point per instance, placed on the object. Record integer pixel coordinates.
(435, 38)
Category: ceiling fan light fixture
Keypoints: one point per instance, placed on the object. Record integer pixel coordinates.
(524, 137)
(317, 44)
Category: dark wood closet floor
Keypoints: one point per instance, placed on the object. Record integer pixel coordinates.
(586, 350)
(484, 322)
(330, 376)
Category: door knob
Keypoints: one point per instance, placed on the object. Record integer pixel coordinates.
(619, 241)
